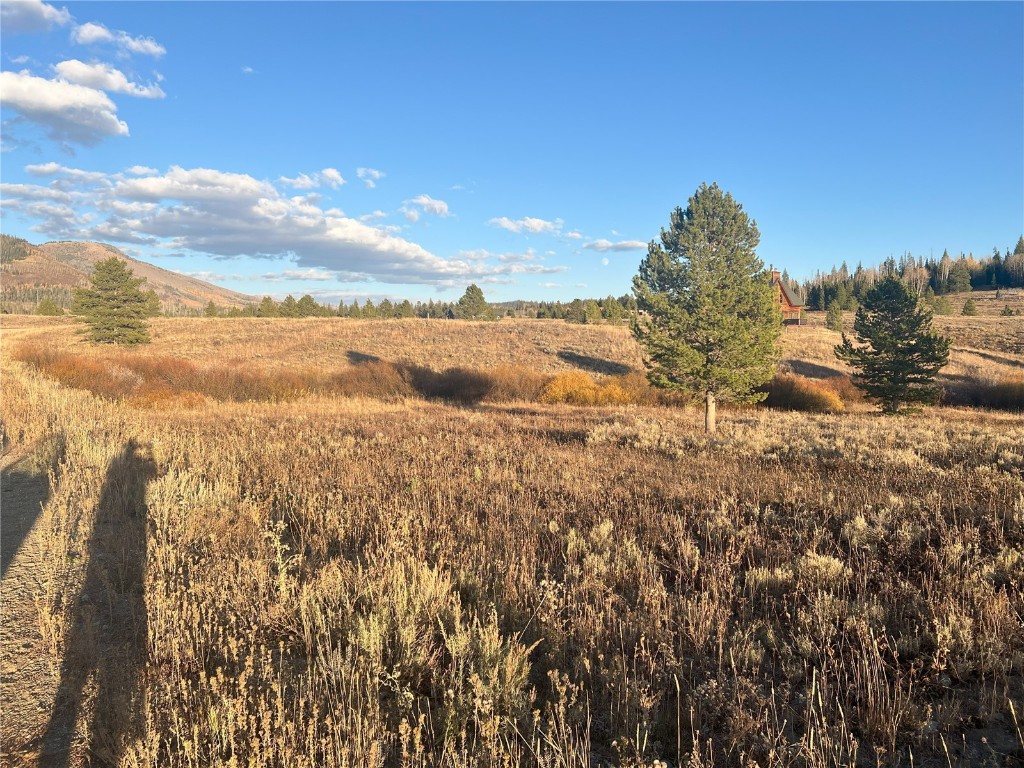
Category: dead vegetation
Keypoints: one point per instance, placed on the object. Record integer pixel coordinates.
(407, 581)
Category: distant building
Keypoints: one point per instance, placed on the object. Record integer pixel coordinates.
(789, 304)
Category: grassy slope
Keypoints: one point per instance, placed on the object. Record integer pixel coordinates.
(800, 590)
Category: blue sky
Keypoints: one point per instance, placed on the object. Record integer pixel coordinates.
(406, 150)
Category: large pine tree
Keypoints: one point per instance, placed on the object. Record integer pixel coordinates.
(473, 305)
(113, 307)
(900, 354)
(710, 321)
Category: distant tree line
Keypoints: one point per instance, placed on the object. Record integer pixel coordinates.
(472, 306)
(927, 278)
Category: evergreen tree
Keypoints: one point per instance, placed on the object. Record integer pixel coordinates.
(711, 321)
(211, 310)
(152, 303)
(268, 308)
(970, 308)
(1019, 248)
(289, 307)
(473, 305)
(51, 308)
(901, 355)
(834, 317)
(591, 312)
(114, 307)
(307, 307)
(959, 277)
(612, 310)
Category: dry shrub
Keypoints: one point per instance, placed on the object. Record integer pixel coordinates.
(160, 397)
(844, 387)
(640, 392)
(512, 383)
(170, 371)
(376, 379)
(1006, 394)
(791, 392)
(578, 388)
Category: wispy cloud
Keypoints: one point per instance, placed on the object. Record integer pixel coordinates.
(105, 78)
(94, 33)
(328, 177)
(56, 169)
(369, 176)
(248, 71)
(528, 224)
(31, 16)
(603, 246)
(412, 209)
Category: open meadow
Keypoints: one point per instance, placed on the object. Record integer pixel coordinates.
(331, 542)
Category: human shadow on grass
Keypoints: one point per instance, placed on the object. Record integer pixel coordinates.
(23, 494)
(106, 643)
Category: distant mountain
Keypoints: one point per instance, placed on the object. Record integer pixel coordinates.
(67, 264)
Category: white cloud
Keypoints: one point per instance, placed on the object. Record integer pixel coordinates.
(31, 16)
(141, 170)
(550, 285)
(331, 178)
(92, 33)
(370, 176)
(68, 112)
(302, 181)
(301, 274)
(374, 216)
(104, 77)
(224, 214)
(528, 224)
(602, 246)
(12, 193)
(195, 185)
(327, 177)
(56, 169)
(574, 235)
(605, 262)
(248, 71)
(426, 204)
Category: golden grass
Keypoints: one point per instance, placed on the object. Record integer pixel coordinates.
(353, 581)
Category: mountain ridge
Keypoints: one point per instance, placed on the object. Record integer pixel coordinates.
(69, 263)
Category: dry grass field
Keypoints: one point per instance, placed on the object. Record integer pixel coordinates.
(236, 547)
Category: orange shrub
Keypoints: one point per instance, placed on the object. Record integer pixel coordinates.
(791, 392)
(573, 387)
(578, 388)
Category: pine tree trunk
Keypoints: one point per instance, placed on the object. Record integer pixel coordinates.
(709, 414)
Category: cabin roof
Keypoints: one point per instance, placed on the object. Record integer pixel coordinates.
(790, 296)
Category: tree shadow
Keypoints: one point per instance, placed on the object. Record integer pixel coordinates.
(991, 357)
(593, 364)
(811, 370)
(106, 643)
(22, 496)
(360, 358)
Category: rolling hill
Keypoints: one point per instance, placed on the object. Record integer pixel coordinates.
(65, 264)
